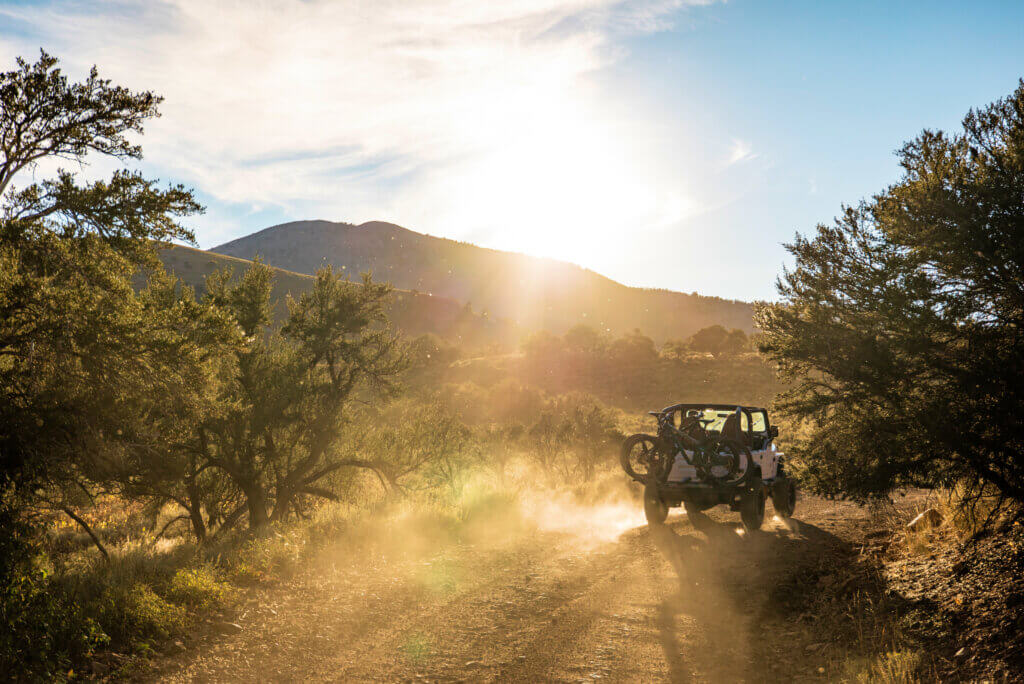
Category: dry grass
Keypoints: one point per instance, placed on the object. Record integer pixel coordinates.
(151, 592)
(891, 667)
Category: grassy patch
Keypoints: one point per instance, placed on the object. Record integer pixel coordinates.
(63, 610)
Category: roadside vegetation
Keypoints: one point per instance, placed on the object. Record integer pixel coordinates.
(899, 326)
(163, 448)
(897, 339)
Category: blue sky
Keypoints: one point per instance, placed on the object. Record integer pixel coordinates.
(824, 93)
(661, 143)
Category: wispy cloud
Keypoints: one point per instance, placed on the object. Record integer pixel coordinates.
(740, 151)
(454, 116)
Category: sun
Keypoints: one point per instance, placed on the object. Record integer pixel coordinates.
(553, 175)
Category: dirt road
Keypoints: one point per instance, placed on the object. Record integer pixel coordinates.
(569, 604)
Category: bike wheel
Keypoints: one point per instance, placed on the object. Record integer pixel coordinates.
(643, 455)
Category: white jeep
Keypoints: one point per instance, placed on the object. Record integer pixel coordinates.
(705, 455)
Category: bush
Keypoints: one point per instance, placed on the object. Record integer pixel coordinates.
(135, 614)
(44, 632)
(573, 436)
(199, 588)
(261, 557)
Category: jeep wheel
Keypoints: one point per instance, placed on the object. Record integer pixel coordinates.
(784, 497)
(752, 509)
(655, 509)
(698, 518)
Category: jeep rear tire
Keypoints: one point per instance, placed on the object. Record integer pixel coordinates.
(655, 509)
(696, 515)
(752, 509)
(784, 497)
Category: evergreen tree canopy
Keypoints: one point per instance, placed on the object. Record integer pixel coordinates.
(900, 324)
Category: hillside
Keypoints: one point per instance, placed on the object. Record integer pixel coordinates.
(412, 313)
(534, 293)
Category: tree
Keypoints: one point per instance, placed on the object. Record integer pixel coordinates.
(582, 338)
(429, 357)
(205, 339)
(80, 351)
(419, 439)
(43, 116)
(900, 324)
(634, 351)
(709, 340)
(717, 340)
(281, 432)
(675, 349)
(572, 435)
(736, 342)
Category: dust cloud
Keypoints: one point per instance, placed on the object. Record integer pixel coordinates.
(593, 522)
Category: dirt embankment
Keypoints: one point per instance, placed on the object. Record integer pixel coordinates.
(567, 594)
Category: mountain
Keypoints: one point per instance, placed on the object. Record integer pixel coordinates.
(412, 313)
(534, 293)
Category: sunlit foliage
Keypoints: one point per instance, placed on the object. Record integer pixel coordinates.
(93, 373)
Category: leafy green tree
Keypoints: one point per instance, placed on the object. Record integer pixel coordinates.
(900, 325)
(282, 430)
(82, 354)
(205, 338)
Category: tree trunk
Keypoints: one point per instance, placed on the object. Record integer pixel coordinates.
(256, 502)
(195, 512)
(281, 506)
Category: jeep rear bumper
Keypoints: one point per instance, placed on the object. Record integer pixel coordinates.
(702, 494)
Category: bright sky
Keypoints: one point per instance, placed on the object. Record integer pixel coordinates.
(663, 143)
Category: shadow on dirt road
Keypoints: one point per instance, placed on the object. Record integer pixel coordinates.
(728, 585)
